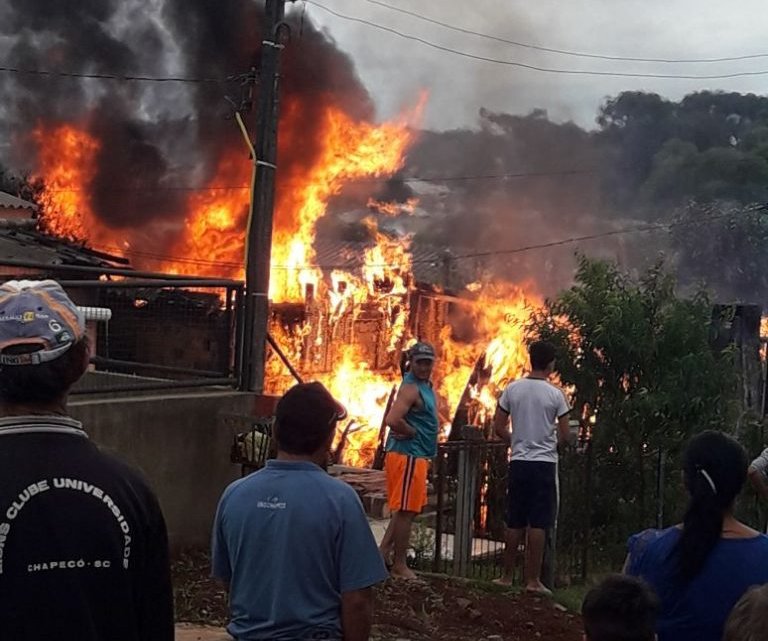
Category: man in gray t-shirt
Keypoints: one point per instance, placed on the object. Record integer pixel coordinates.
(292, 544)
(538, 412)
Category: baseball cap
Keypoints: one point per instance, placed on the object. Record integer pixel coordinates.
(305, 404)
(422, 352)
(37, 313)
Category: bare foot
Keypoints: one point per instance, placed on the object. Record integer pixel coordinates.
(386, 554)
(398, 572)
(506, 581)
(537, 587)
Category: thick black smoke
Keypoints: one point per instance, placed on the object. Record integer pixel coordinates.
(156, 137)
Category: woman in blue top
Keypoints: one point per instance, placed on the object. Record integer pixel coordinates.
(700, 569)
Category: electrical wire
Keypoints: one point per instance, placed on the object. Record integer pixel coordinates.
(651, 227)
(564, 52)
(521, 65)
(406, 179)
(109, 76)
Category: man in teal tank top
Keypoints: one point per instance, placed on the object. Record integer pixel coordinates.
(412, 442)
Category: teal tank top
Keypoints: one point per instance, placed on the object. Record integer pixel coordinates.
(423, 420)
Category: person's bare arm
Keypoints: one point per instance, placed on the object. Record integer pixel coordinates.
(500, 424)
(758, 482)
(563, 430)
(406, 397)
(357, 614)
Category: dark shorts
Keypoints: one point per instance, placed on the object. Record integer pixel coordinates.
(531, 494)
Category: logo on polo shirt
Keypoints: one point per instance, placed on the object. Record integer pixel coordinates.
(272, 503)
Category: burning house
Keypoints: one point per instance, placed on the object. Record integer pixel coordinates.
(168, 189)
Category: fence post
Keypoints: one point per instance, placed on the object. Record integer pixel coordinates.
(587, 533)
(465, 504)
(440, 488)
(661, 464)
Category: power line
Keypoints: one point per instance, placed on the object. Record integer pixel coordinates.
(615, 232)
(406, 179)
(108, 76)
(564, 52)
(521, 65)
(496, 252)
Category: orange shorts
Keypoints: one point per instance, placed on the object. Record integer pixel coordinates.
(406, 482)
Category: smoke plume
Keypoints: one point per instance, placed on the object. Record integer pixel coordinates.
(157, 139)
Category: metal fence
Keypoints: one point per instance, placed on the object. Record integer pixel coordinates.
(164, 331)
(464, 532)
(469, 479)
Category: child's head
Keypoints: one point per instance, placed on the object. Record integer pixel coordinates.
(621, 608)
(749, 617)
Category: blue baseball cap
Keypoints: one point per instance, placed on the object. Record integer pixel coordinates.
(37, 313)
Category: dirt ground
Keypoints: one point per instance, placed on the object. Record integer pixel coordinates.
(438, 609)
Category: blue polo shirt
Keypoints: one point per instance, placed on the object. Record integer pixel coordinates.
(290, 540)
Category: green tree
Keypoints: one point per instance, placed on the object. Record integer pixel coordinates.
(638, 358)
(725, 247)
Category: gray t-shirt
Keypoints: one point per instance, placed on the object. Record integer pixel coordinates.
(534, 406)
(290, 540)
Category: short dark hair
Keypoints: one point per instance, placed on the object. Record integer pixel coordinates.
(621, 608)
(45, 382)
(542, 353)
(305, 418)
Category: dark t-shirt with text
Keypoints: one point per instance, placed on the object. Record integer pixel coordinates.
(83, 544)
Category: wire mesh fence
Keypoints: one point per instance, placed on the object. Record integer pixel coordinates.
(153, 331)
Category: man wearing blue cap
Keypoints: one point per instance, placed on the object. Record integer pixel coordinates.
(83, 545)
(411, 445)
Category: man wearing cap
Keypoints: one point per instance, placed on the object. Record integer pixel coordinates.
(412, 443)
(292, 544)
(83, 545)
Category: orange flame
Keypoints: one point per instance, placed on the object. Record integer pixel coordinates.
(324, 338)
(393, 208)
(67, 162)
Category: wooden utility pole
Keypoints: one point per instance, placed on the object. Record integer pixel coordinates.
(259, 236)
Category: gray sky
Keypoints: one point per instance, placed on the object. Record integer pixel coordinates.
(395, 69)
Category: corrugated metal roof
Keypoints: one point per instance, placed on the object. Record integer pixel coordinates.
(12, 202)
(32, 245)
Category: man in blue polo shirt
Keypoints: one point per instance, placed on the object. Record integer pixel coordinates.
(293, 544)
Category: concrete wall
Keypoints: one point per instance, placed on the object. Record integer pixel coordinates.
(179, 443)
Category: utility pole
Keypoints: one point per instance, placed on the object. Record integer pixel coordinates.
(259, 234)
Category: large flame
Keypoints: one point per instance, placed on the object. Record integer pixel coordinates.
(499, 313)
(67, 162)
(335, 307)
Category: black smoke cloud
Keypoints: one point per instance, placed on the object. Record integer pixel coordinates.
(158, 136)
